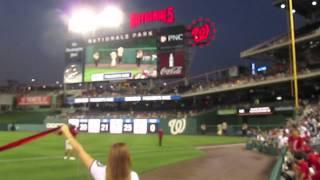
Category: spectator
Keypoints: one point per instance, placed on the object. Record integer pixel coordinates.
(244, 129)
(224, 128)
(119, 160)
(203, 128)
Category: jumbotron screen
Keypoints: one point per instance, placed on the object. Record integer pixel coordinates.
(120, 60)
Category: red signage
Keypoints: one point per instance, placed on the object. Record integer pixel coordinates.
(171, 63)
(165, 16)
(203, 31)
(34, 101)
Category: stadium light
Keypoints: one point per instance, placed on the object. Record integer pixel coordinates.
(57, 82)
(293, 11)
(85, 20)
(314, 3)
(33, 80)
(82, 21)
(110, 17)
(283, 6)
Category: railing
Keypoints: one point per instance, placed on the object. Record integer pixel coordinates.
(277, 168)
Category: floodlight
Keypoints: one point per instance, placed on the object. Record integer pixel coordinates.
(314, 3)
(82, 21)
(283, 6)
(110, 17)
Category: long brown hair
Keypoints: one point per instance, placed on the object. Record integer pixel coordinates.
(119, 163)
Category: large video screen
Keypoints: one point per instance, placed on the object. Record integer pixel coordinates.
(73, 63)
(120, 60)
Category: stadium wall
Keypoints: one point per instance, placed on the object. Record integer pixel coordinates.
(185, 126)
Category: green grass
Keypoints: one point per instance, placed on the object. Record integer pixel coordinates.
(43, 159)
(92, 70)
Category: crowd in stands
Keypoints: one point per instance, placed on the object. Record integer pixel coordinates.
(132, 114)
(299, 139)
(239, 81)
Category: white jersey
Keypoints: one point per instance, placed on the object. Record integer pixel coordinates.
(98, 171)
(68, 146)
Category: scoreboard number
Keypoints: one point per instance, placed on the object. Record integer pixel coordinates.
(153, 125)
(152, 128)
(104, 125)
(83, 125)
(128, 128)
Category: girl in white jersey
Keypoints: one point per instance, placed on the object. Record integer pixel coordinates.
(119, 160)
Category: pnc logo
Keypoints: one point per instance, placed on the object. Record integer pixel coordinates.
(177, 126)
(171, 38)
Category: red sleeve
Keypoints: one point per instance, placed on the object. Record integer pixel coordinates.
(304, 168)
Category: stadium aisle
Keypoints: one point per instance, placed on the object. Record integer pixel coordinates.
(220, 163)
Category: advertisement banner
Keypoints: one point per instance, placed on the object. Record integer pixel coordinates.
(172, 63)
(255, 111)
(171, 37)
(34, 101)
(74, 54)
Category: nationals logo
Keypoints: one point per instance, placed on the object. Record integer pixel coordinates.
(203, 31)
(177, 126)
(165, 16)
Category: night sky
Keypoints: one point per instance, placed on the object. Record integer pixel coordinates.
(33, 32)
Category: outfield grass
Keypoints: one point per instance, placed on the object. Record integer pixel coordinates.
(43, 159)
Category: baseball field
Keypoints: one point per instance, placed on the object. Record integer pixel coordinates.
(43, 159)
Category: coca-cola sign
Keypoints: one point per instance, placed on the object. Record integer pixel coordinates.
(171, 63)
(171, 71)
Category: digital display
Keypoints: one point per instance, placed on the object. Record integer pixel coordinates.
(121, 60)
(171, 63)
(73, 63)
(117, 126)
(83, 125)
(104, 125)
(94, 125)
(140, 126)
(127, 126)
(153, 125)
(255, 111)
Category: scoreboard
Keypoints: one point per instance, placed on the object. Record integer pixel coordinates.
(116, 126)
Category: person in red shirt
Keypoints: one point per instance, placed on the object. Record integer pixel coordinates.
(302, 170)
(160, 136)
(314, 162)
